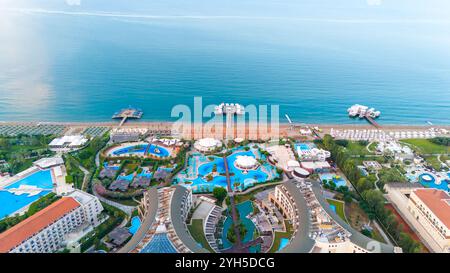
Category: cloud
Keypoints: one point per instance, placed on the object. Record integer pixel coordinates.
(73, 2)
(374, 2)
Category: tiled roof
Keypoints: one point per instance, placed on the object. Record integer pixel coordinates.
(438, 202)
(37, 222)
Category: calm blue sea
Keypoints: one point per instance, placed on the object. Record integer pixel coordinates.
(83, 63)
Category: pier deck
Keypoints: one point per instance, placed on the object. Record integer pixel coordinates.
(372, 121)
(128, 113)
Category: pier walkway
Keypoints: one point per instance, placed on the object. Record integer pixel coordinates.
(238, 244)
(372, 121)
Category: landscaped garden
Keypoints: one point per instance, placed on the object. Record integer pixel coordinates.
(196, 231)
(21, 151)
(281, 236)
(338, 207)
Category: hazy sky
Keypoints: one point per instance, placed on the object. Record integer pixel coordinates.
(332, 9)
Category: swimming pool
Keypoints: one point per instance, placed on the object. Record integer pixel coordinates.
(135, 224)
(333, 207)
(11, 203)
(129, 177)
(428, 180)
(199, 167)
(303, 147)
(283, 243)
(142, 149)
(339, 181)
(244, 209)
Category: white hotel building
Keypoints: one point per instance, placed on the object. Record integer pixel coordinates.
(46, 231)
(431, 210)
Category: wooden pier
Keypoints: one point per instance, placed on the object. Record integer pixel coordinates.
(372, 121)
(128, 113)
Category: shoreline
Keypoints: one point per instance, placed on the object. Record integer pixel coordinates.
(137, 123)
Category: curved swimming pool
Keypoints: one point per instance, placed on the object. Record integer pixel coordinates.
(142, 150)
(428, 180)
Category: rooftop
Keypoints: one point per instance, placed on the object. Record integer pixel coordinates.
(438, 201)
(75, 140)
(178, 223)
(32, 225)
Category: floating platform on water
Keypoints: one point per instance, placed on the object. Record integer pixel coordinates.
(128, 113)
(229, 109)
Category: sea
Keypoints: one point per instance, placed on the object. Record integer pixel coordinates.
(80, 60)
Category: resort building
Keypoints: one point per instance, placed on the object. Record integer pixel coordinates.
(245, 162)
(431, 209)
(318, 166)
(425, 210)
(164, 227)
(119, 135)
(308, 152)
(47, 230)
(68, 142)
(283, 157)
(300, 173)
(50, 162)
(288, 199)
(284, 202)
(207, 144)
(317, 228)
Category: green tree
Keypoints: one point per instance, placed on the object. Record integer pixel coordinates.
(219, 193)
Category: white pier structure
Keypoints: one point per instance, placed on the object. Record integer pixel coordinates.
(230, 110)
(362, 111)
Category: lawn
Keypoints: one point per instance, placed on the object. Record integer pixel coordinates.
(424, 146)
(196, 231)
(340, 208)
(355, 148)
(433, 161)
(279, 235)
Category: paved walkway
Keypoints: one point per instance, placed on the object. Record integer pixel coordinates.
(85, 178)
(233, 206)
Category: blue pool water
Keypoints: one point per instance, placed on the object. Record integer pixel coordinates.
(135, 224)
(126, 177)
(303, 147)
(283, 242)
(333, 207)
(246, 180)
(105, 164)
(432, 183)
(9, 203)
(162, 152)
(244, 209)
(142, 149)
(330, 176)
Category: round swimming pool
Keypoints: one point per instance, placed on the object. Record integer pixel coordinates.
(427, 178)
